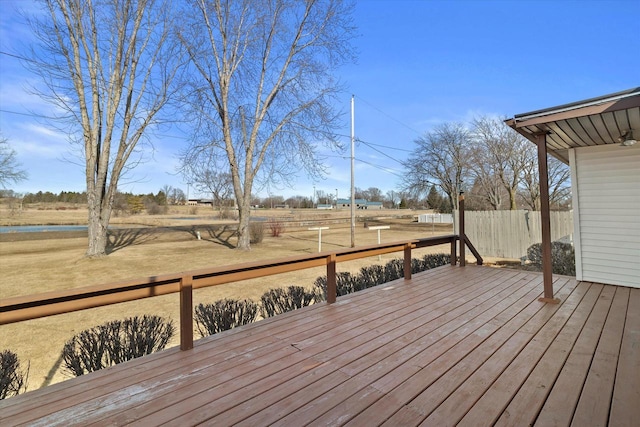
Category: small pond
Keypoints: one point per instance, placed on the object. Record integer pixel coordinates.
(40, 228)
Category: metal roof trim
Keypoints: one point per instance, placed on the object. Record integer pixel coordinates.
(577, 105)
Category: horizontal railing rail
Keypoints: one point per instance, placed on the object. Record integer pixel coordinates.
(21, 308)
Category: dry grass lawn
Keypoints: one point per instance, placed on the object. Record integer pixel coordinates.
(49, 263)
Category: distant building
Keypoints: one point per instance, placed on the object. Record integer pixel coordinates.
(324, 206)
(200, 202)
(360, 204)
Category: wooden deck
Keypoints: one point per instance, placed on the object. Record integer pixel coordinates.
(467, 346)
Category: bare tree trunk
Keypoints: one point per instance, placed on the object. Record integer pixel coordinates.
(244, 237)
(263, 88)
(98, 222)
(109, 66)
(512, 198)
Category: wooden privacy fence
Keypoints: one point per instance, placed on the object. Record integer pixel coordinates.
(508, 234)
(27, 307)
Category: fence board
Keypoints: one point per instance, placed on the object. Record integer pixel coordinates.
(508, 234)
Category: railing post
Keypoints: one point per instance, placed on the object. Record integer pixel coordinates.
(186, 313)
(454, 251)
(407, 261)
(332, 289)
(462, 236)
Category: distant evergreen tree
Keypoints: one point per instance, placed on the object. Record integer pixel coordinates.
(434, 199)
(445, 206)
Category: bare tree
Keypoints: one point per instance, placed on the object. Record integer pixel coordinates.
(201, 168)
(393, 197)
(299, 202)
(263, 87)
(487, 183)
(10, 171)
(108, 65)
(168, 194)
(374, 194)
(500, 158)
(178, 197)
(559, 180)
(218, 184)
(359, 193)
(443, 157)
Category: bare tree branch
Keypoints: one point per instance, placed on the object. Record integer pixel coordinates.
(109, 65)
(263, 88)
(10, 171)
(442, 157)
(501, 155)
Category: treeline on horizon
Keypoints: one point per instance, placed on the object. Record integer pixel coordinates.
(76, 197)
(154, 203)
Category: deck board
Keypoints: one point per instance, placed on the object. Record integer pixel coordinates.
(468, 345)
(406, 363)
(449, 335)
(595, 400)
(565, 394)
(345, 335)
(449, 398)
(435, 363)
(625, 410)
(375, 336)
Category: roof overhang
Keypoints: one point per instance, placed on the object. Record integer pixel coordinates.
(595, 121)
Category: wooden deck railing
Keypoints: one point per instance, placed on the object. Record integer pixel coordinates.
(28, 307)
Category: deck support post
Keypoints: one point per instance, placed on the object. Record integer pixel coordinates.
(407, 261)
(186, 313)
(454, 251)
(547, 267)
(462, 237)
(332, 289)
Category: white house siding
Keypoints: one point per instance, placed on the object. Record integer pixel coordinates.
(606, 197)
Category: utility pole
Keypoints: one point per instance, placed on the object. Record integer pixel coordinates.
(353, 187)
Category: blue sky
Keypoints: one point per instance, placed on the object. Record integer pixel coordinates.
(420, 63)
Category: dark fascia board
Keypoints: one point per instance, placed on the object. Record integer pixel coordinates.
(579, 104)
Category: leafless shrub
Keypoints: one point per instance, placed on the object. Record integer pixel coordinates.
(562, 258)
(153, 208)
(13, 380)
(115, 342)
(374, 275)
(276, 227)
(256, 232)
(224, 315)
(226, 213)
(278, 301)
